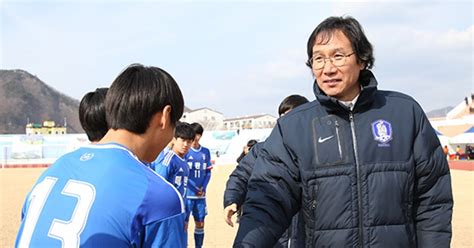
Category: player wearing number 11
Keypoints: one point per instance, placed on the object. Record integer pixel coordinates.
(199, 161)
(104, 195)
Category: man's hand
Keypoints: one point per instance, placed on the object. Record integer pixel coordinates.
(228, 212)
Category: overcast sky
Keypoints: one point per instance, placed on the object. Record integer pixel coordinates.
(238, 57)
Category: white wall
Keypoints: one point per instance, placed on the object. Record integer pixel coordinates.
(209, 119)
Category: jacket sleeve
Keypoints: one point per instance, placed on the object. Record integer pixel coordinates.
(236, 188)
(433, 200)
(273, 195)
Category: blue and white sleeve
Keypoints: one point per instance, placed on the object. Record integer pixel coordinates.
(166, 233)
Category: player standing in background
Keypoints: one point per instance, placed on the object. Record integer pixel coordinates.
(103, 195)
(200, 165)
(92, 114)
(173, 167)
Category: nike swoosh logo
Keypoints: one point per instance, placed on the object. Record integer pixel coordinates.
(321, 140)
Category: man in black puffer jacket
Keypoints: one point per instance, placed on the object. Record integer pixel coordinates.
(364, 166)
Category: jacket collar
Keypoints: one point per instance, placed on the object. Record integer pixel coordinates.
(369, 88)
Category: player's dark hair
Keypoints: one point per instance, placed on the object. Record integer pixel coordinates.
(198, 129)
(92, 114)
(251, 143)
(184, 131)
(291, 102)
(137, 94)
(351, 29)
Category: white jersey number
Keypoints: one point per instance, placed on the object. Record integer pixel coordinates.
(197, 171)
(66, 231)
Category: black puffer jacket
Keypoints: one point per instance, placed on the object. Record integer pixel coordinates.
(236, 187)
(372, 177)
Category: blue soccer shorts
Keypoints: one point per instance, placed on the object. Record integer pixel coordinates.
(198, 207)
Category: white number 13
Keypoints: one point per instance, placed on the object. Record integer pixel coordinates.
(66, 231)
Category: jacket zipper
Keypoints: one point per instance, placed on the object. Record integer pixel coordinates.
(359, 194)
(338, 140)
(313, 212)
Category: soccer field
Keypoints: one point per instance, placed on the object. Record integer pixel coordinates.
(15, 183)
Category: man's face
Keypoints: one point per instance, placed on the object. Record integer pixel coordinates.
(181, 146)
(338, 82)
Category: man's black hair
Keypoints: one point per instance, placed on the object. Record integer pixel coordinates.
(251, 143)
(92, 114)
(291, 102)
(184, 131)
(137, 94)
(352, 29)
(198, 129)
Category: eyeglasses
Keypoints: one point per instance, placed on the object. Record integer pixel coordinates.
(338, 60)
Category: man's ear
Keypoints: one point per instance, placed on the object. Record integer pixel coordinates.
(165, 119)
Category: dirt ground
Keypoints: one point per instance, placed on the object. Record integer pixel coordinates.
(15, 183)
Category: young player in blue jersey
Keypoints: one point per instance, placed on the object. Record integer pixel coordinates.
(103, 195)
(199, 161)
(172, 165)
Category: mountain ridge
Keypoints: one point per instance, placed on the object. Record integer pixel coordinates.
(24, 97)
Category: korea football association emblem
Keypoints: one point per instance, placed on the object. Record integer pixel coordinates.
(86, 156)
(382, 131)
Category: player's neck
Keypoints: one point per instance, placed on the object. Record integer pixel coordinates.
(134, 142)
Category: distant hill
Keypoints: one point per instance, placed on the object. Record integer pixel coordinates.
(439, 112)
(25, 97)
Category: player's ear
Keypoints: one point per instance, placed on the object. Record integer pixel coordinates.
(165, 119)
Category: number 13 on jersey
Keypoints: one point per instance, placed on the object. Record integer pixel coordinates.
(67, 231)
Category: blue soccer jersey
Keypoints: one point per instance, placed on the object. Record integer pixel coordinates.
(199, 162)
(159, 158)
(100, 196)
(174, 169)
